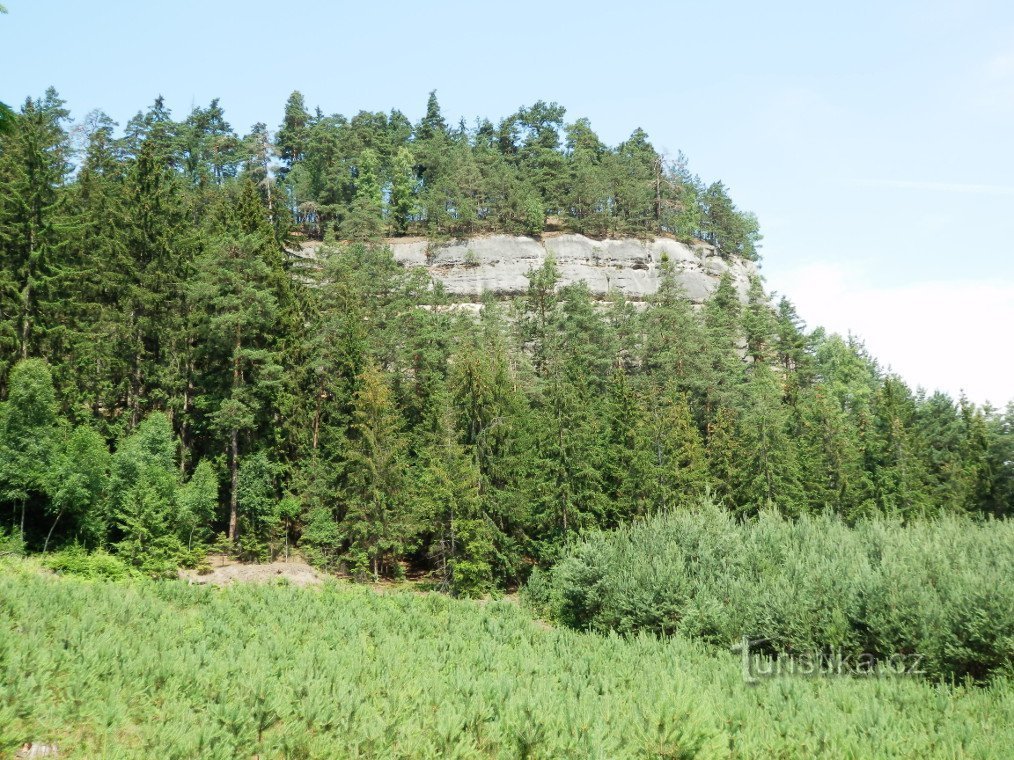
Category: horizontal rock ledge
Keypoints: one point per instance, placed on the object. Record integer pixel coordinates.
(500, 264)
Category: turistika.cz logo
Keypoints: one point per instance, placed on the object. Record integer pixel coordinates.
(818, 663)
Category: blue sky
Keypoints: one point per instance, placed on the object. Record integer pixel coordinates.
(874, 144)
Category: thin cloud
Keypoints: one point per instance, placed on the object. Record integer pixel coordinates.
(938, 335)
(940, 187)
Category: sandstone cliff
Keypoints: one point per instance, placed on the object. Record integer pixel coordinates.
(500, 263)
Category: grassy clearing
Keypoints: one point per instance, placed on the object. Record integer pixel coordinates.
(162, 669)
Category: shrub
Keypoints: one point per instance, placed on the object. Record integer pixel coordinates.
(11, 544)
(941, 589)
(97, 565)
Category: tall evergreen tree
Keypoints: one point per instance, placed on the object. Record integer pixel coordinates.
(33, 166)
(377, 524)
(238, 311)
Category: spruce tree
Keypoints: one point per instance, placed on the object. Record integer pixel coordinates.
(239, 314)
(33, 166)
(377, 525)
(679, 465)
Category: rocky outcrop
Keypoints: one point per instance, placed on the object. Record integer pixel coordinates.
(500, 264)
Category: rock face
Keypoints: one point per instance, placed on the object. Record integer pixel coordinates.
(500, 263)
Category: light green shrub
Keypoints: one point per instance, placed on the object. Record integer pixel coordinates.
(941, 589)
(98, 565)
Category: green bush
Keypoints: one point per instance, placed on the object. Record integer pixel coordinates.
(11, 544)
(97, 565)
(940, 589)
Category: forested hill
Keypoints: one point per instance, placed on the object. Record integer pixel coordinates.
(168, 384)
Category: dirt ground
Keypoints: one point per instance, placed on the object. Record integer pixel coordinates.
(225, 572)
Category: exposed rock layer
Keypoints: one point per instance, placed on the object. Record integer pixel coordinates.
(501, 263)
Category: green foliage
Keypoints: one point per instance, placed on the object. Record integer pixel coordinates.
(936, 589)
(28, 430)
(165, 277)
(97, 565)
(79, 484)
(198, 502)
(155, 512)
(11, 544)
(277, 671)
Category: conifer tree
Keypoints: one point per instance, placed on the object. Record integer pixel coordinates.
(433, 122)
(899, 476)
(293, 137)
(759, 324)
(722, 323)
(769, 476)
(33, 166)
(364, 219)
(831, 456)
(377, 525)
(403, 203)
(725, 457)
(675, 346)
(679, 464)
(628, 462)
(539, 311)
(233, 293)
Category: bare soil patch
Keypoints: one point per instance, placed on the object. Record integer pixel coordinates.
(225, 572)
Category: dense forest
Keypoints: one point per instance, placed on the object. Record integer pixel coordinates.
(172, 381)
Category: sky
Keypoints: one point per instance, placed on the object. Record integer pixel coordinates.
(873, 140)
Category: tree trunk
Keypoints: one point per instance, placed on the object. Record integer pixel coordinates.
(23, 500)
(234, 471)
(52, 527)
(316, 415)
(237, 378)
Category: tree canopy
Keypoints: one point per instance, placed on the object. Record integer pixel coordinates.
(174, 375)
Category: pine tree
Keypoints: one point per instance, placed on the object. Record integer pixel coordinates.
(722, 324)
(539, 311)
(96, 282)
(144, 487)
(293, 134)
(892, 452)
(498, 429)
(433, 123)
(628, 461)
(725, 457)
(446, 485)
(831, 456)
(675, 349)
(364, 220)
(759, 324)
(585, 191)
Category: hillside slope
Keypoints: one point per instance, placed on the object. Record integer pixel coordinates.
(174, 671)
